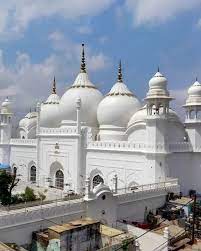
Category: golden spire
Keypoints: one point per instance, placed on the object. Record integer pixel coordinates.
(120, 79)
(83, 65)
(54, 86)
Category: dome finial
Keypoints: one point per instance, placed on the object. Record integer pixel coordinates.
(158, 69)
(54, 86)
(83, 65)
(196, 79)
(120, 79)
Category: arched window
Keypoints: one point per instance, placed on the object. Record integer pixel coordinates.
(59, 182)
(15, 170)
(33, 174)
(97, 180)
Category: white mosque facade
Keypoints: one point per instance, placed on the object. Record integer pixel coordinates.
(112, 139)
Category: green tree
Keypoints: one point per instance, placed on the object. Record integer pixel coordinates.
(7, 182)
(29, 194)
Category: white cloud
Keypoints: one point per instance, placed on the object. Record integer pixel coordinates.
(61, 44)
(157, 11)
(199, 23)
(16, 15)
(30, 82)
(84, 30)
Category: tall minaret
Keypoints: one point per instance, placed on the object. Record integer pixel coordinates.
(6, 130)
(193, 115)
(157, 102)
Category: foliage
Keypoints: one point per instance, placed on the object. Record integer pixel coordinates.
(28, 195)
(7, 182)
(16, 198)
(41, 196)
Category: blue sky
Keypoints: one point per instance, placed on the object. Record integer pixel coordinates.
(42, 38)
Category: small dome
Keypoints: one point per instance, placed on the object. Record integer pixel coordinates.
(195, 89)
(30, 120)
(158, 81)
(50, 112)
(118, 105)
(52, 99)
(141, 115)
(6, 106)
(90, 97)
(158, 87)
(194, 94)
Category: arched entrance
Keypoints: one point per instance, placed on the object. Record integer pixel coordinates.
(56, 175)
(59, 179)
(97, 180)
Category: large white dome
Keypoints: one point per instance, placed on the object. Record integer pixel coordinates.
(90, 97)
(50, 110)
(118, 105)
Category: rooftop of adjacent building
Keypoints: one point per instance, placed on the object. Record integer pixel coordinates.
(4, 247)
(10, 247)
(72, 225)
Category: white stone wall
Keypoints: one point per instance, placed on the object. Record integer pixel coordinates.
(130, 167)
(187, 167)
(23, 155)
(66, 158)
(17, 226)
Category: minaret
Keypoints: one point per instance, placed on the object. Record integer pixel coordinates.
(157, 102)
(6, 130)
(158, 97)
(193, 115)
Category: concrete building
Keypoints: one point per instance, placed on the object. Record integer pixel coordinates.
(81, 235)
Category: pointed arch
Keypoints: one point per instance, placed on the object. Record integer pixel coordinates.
(57, 175)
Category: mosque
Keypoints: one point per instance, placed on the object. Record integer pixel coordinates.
(86, 135)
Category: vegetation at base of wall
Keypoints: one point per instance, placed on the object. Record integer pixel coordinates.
(7, 182)
(41, 196)
(28, 195)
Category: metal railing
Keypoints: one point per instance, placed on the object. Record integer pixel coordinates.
(147, 187)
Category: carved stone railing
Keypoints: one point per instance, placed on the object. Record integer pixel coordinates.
(180, 147)
(58, 131)
(140, 147)
(27, 142)
(117, 145)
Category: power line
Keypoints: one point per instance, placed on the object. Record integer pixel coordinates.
(155, 249)
(151, 229)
